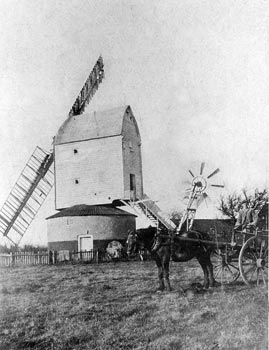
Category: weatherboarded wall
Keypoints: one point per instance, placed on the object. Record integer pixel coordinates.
(97, 159)
(132, 159)
(63, 232)
(89, 172)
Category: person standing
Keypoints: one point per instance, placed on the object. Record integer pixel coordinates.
(242, 216)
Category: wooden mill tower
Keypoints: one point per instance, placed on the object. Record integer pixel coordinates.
(98, 159)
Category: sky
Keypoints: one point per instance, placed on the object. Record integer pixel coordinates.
(195, 74)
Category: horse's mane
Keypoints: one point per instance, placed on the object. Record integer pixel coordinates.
(146, 234)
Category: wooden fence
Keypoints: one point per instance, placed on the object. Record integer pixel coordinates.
(52, 257)
(24, 258)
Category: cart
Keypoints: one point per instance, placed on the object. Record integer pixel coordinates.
(245, 256)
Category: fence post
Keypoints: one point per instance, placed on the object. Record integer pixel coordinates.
(54, 257)
(12, 258)
(50, 257)
(97, 256)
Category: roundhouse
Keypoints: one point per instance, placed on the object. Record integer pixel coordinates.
(86, 227)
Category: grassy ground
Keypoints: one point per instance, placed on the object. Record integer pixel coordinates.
(114, 306)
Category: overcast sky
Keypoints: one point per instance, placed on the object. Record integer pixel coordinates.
(195, 74)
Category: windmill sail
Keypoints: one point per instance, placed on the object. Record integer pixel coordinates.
(37, 178)
(27, 196)
(90, 87)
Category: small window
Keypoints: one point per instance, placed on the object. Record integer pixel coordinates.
(69, 221)
(76, 181)
(75, 151)
(130, 143)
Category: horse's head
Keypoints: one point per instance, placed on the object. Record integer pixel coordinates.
(132, 243)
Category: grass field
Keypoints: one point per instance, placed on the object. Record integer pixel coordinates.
(114, 306)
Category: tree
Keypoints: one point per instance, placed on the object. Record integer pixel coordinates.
(230, 205)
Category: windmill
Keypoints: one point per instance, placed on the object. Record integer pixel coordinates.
(37, 177)
(196, 194)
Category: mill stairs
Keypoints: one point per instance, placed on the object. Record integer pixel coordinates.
(149, 208)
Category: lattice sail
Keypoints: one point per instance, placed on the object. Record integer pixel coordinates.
(90, 87)
(27, 196)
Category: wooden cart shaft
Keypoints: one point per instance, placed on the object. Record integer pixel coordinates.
(196, 240)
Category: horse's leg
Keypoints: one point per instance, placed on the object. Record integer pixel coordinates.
(141, 256)
(210, 272)
(205, 270)
(212, 281)
(166, 273)
(160, 274)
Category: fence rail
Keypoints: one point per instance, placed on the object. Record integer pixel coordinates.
(52, 257)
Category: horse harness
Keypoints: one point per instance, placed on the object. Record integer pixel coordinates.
(170, 241)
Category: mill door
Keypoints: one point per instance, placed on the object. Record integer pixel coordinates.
(85, 243)
(132, 187)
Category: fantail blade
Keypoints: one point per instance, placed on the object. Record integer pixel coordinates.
(222, 186)
(187, 182)
(187, 190)
(201, 198)
(206, 201)
(214, 173)
(191, 173)
(202, 168)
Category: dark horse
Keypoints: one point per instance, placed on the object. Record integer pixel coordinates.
(165, 246)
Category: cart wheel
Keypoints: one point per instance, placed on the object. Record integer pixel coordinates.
(225, 266)
(253, 261)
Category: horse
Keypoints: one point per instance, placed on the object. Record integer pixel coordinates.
(164, 246)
